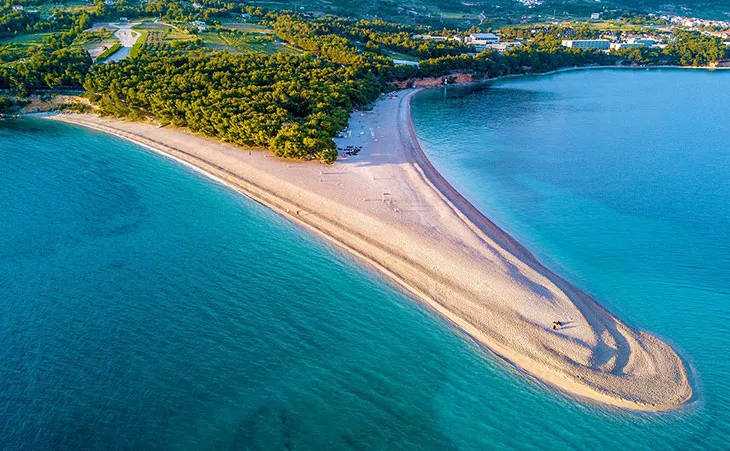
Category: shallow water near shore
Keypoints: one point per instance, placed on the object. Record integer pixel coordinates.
(145, 306)
(619, 180)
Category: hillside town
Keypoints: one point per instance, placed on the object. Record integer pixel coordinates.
(657, 35)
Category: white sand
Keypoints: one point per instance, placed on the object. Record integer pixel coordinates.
(433, 242)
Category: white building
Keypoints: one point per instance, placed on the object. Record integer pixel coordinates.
(633, 42)
(624, 45)
(481, 39)
(596, 16)
(583, 44)
(642, 41)
(503, 46)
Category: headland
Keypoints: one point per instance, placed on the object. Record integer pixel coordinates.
(391, 208)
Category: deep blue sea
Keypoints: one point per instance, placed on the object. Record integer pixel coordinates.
(143, 306)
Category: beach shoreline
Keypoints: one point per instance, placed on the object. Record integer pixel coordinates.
(562, 70)
(391, 208)
(486, 81)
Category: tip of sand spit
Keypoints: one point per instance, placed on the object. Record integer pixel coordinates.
(640, 373)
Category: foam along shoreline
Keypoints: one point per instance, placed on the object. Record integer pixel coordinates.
(390, 207)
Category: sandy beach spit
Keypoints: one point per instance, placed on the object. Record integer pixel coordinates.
(390, 207)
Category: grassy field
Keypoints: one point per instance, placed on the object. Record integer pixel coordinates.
(213, 40)
(170, 32)
(140, 44)
(26, 39)
(167, 33)
(250, 27)
(254, 38)
(94, 37)
(401, 56)
(247, 42)
(178, 34)
(151, 26)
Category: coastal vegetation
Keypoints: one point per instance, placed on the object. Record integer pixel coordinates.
(6, 105)
(41, 67)
(532, 58)
(51, 64)
(319, 39)
(293, 106)
(283, 80)
(695, 49)
(687, 49)
(546, 54)
(681, 48)
(376, 35)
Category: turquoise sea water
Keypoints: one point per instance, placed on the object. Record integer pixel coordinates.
(620, 181)
(143, 306)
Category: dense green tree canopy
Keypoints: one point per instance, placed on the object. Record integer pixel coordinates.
(292, 105)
